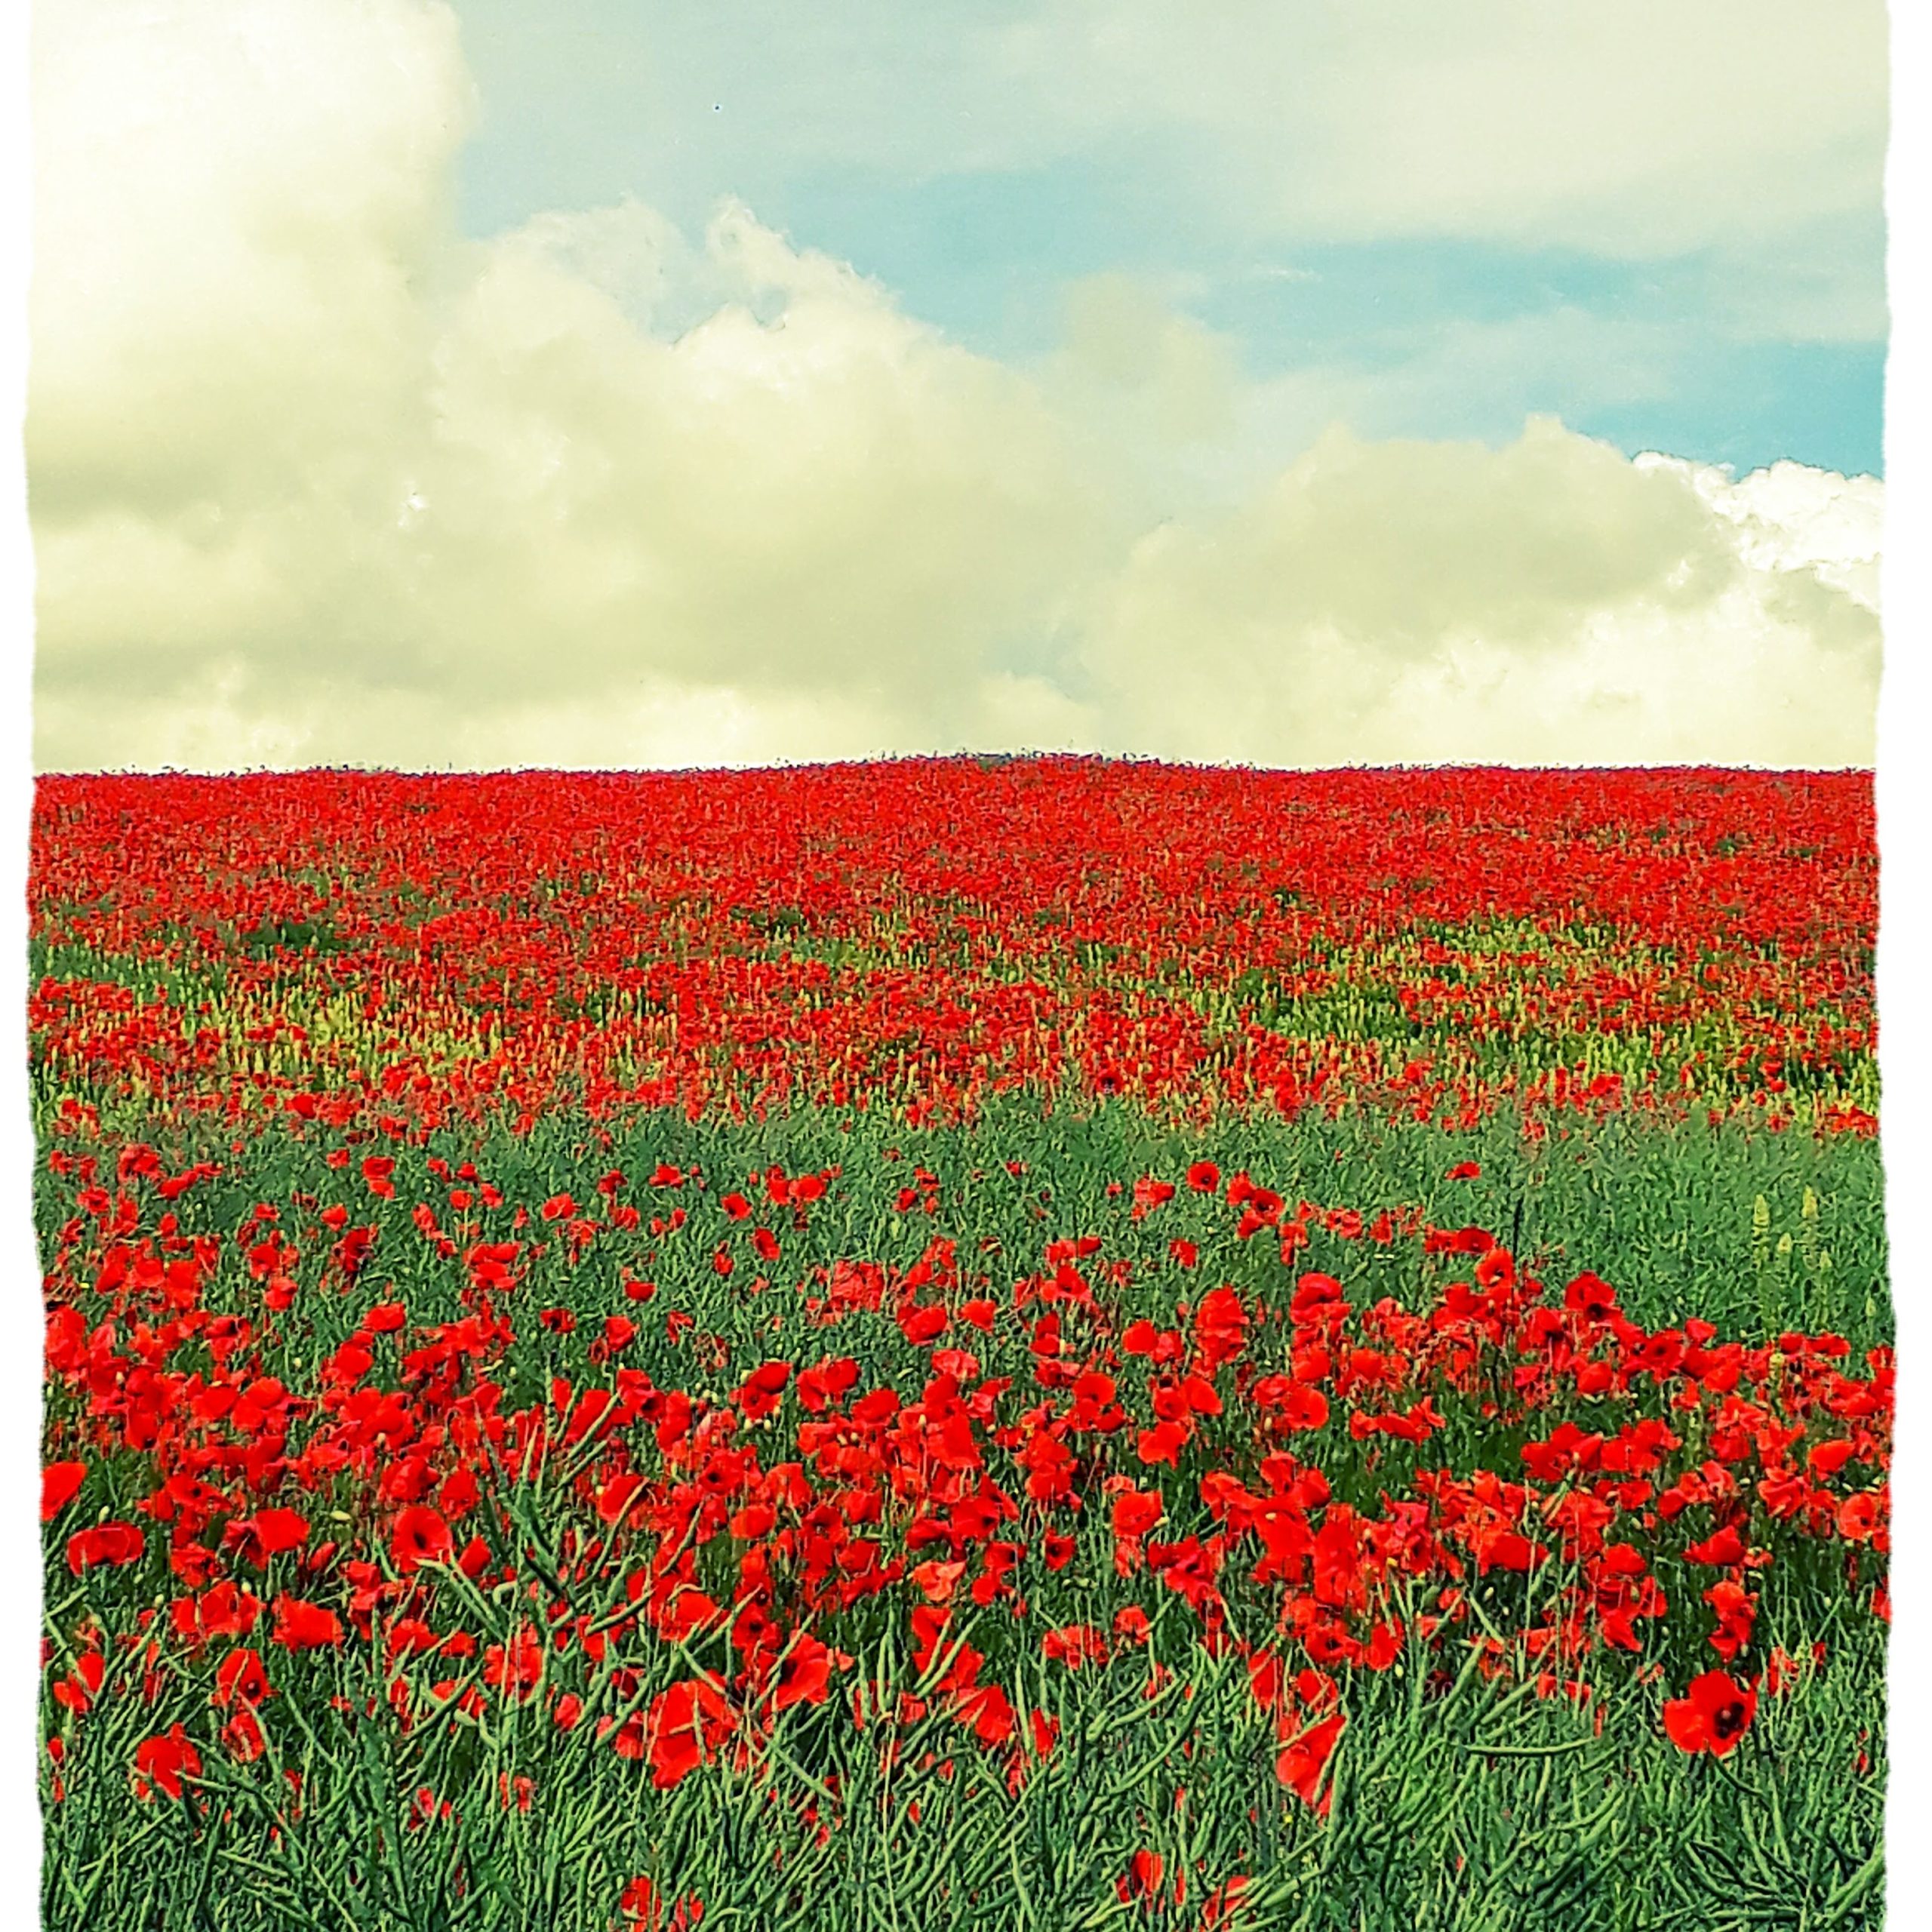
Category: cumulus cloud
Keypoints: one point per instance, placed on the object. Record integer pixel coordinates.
(1548, 602)
(315, 479)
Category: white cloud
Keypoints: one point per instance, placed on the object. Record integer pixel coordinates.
(1792, 519)
(1649, 128)
(316, 480)
(1646, 128)
(1548, 602)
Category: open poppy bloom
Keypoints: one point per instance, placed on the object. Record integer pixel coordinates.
(685, 1727)
(1726, 1546)
(1712, 1715)
(162, 1763)
(421, 1535)
(268, 1533)
(78, 1690)
(112, 1543)
(1304, 1758)
(241, 1679)
(60, 1483)
(301, 1625)
(804, 1673)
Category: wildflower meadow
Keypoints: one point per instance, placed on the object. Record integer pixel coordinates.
(972, 1343)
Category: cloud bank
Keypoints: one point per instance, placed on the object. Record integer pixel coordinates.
(315, 479)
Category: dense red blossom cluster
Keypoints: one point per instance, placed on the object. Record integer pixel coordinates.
(1319, 1485)
(1428, 942)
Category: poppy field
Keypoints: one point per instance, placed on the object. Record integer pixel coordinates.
(993, 1343)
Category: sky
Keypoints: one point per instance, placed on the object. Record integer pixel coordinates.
(719, 383)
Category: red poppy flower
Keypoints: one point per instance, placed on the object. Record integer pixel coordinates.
(242, 1735)
(1143, 1881)
(1724, 1548)
(420, 1535)
(1713, 1714)
(162, 1763)
(921, 1325)
(1304, 1758)
(1163, 1443)
(805, 1674)
(1495, 1269)
(241, 1679)
(685, 1726)
(988, 1712)
(1736, 1609)
(516, 1669)
(105, 1543)
(1074, 1645)
(267, 1533)
(59, 1482)
(649, 1910)
(1222, 1906)
(1303, 1409)
(1591, 1297)
(299, 1626)
(1860, 1514)
(77, 1691)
